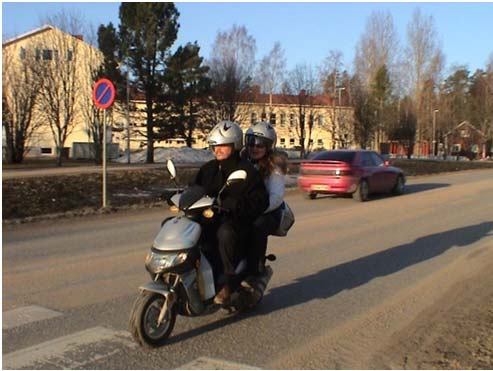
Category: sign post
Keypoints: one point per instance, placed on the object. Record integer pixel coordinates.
(103, 95)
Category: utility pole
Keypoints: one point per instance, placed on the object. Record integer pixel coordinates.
(434, 129)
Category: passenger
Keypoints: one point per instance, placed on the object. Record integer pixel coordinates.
(260, 141)
(245, 201)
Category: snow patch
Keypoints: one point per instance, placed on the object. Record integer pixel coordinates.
(183, 155)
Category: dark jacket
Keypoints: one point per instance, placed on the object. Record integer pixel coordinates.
(246, 200)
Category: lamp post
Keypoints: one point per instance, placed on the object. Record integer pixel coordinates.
(340, 89)
(434, 129)
(128, 119)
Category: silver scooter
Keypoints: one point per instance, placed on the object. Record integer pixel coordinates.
(183, 278)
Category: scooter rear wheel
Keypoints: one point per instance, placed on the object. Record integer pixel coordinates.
(144, 317)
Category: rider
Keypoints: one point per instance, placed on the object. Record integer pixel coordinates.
(260, 141)
(244, 201)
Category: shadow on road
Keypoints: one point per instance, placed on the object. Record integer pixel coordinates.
(328, 282)
(331, 281)
(415, 188)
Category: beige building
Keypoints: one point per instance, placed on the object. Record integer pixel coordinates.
(64, 66)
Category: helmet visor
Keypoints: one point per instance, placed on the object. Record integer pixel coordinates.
(254, 141)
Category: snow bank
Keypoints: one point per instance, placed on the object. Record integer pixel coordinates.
(183, 155)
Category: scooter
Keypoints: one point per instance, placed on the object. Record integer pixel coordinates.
(183, 279)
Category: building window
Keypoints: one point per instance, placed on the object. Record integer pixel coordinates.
(311, 142)
(47, 54)
(283, 142)
(253, 118)
(320, 120)
(273, 119)
(23, 53)
(70, 55)
(292, 121)
(320, 142)
(46, 151)
(37, 54)
(291, 142)
(283, 119)
(264, 116)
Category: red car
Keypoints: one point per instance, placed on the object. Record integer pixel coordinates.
(356, 172)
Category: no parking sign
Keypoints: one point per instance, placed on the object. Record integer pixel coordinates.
(103, 93)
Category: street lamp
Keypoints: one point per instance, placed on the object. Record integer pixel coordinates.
(434, 126)
(340, 94)
(128, 119)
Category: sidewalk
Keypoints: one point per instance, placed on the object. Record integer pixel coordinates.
(74, 170)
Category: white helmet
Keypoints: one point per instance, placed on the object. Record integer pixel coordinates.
(226, 132)
(262, 133)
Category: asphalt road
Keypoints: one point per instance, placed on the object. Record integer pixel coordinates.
(348, 278)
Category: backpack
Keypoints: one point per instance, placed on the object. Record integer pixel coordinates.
(287, 220)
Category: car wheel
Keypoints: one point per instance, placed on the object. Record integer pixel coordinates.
(310, 195)
(399, 186)
(362, 192)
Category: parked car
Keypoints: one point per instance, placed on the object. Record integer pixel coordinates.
(356, 172)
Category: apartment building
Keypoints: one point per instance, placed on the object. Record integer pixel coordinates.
(327, 124)
(62, 64)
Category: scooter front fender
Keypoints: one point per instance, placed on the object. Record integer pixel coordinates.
(157, 287)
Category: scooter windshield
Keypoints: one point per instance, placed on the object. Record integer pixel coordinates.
(190, 196)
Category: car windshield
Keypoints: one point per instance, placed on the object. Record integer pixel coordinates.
(335, 156)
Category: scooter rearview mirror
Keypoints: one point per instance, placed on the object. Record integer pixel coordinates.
(236, 176)
(171, 168)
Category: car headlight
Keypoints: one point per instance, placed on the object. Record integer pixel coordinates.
(157, 262)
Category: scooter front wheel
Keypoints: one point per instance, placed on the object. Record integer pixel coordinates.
(144, 320)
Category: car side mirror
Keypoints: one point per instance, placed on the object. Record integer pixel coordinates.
(171, 168)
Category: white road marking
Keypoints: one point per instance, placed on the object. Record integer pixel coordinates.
(70, 352)
(21, 316)
(206, 363)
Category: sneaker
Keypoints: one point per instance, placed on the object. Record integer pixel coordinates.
(222, 296)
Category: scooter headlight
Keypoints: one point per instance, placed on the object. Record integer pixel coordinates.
(157, 262)
(208, 213)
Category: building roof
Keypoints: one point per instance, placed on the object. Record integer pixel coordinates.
(466, 124)
(36, 31)
(289, 99)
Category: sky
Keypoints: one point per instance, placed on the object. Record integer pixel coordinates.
(306, 31)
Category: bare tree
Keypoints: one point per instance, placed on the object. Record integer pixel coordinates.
(331, 72)
(60, 54)
(271, 70)
(424, 63)
(21, 86)
(331, 78)
(302, 82)
(377, 46)
(231, 71)
(92, 70)
(480, 104)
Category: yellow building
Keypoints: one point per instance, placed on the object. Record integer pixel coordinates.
(64, 66)
(332, 126)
